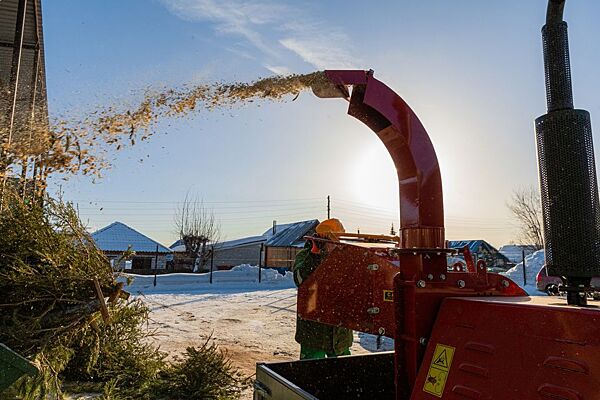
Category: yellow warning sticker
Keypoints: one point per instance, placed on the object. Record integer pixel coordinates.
(439, 370)
(388, 295)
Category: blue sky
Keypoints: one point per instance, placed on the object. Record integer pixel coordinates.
(471, 70)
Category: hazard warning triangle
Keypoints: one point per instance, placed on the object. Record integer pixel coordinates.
(442, 360)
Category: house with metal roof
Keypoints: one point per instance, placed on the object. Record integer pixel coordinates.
(482, 250)
(227, 254)
(516, 252)
(149, 256)
(246, 250)
(276, 247)
(285, 241)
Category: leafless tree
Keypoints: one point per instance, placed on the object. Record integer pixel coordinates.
(198, 229)
(526, 208)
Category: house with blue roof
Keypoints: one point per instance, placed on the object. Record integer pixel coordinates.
(149, 256)
(516, 252)
(482, 250)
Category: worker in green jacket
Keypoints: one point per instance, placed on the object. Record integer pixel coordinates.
(319, 340)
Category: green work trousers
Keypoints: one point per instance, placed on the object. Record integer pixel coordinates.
(308, 353)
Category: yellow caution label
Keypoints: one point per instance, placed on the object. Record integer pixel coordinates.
(439, 370)
(388, 295)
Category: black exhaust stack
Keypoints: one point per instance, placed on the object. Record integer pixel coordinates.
(567, 170)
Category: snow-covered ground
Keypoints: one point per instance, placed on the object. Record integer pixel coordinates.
(242, 277)
(533, 263)
(252, 321)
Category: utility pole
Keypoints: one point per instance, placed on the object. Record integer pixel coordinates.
(328, 206)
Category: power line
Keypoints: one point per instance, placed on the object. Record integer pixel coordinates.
(198, 202)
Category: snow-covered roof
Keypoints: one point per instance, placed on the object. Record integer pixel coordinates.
(514, 252)
(240, 242)
(119, 237)
(475, 246)
(292, 234)
(179, 246)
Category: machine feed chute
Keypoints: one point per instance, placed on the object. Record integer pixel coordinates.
(567, 170)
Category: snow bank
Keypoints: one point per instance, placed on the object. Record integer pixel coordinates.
(533, 263)
(240, 278)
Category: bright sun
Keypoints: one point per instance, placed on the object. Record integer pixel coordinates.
(375, 180)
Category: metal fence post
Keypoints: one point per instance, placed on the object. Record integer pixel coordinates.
(212, 258)
(155, 264)
(260, 262)
(524, 273)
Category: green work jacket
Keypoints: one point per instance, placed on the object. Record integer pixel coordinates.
(311, 334)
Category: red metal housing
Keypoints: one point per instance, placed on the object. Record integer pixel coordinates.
(398, 127)
(395, 290)
(458, 335)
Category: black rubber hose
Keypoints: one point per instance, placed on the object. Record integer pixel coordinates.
(554, 15)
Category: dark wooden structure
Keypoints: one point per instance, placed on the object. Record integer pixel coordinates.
(23, 98)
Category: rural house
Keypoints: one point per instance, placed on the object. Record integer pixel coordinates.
(240, 251)
(228, 254)
(482, 250)
(116, 238)
(514, 252)
(285, 241)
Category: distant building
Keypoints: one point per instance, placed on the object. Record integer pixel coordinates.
(514, 252)
(228, 254)
(285, 242)
(276, 247)
(116, 238)
(181, 261)
(482, 250)
(240, 251)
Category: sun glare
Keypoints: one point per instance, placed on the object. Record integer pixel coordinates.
(375, 180)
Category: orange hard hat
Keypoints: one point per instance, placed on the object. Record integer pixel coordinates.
(332, 225)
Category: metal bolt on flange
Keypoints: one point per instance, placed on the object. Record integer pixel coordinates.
(373, 310)
(505, 283)
(430, 277)
(421, 284)
(461, 284)
(422, 341)
(443, 277)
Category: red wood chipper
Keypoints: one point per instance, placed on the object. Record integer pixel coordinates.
(458, 334)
